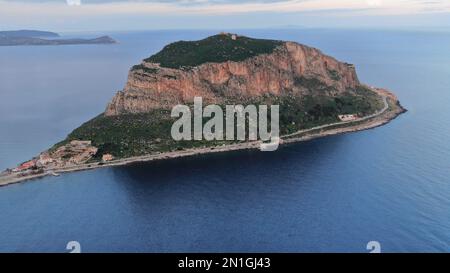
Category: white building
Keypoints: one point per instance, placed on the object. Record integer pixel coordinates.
(348, 117)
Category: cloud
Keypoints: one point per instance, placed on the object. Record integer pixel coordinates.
(374, 2)
(223, 6)
(73, 2)
(160, 13)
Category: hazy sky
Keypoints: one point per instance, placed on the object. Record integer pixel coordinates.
(79, 15)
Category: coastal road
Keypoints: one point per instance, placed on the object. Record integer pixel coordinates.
(385, 108)
(13, 178)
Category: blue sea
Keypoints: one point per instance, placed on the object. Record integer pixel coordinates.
(390, 184)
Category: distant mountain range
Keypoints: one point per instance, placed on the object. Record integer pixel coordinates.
(36, 37)
(29, 33)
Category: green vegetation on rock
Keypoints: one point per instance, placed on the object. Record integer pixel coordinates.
(310, 111)
(311, 84)
(144, 68)
(334, 75)
(140, 134)
(319, 103)
(216, 49)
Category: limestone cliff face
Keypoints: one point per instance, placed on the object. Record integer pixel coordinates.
(291, 69)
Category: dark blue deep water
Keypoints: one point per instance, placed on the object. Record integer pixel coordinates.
(390, 184)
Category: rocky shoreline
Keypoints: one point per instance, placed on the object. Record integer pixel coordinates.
(392, 110)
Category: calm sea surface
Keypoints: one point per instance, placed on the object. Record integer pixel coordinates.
(390, 184)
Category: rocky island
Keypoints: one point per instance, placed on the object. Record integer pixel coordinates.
(317, 94)
(36, 37)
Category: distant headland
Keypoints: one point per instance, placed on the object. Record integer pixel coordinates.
(37, 37)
